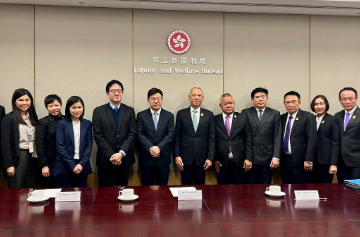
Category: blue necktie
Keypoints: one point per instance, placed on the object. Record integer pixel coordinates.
(155, 120)
(287, 136)
(116, 109)
(260, 115)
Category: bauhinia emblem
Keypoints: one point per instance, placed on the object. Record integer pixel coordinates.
(179, 42)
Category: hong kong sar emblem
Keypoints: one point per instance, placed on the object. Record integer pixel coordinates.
(179, 42)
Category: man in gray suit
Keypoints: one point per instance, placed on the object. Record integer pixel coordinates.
(349, 120)
(265, 125)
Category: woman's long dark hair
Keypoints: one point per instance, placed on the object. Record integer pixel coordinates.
(32, 112)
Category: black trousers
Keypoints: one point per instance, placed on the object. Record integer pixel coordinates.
(72, 180)
(320, 173)
(345, 172)
(260, 174)
(291, 174)
(159, 174)
(231, 175)
(116, 176)
(193, 174)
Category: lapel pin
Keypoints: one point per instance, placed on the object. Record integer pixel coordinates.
(297, 119)
(234, 116)
(323, 122)
(354, 117)
(202, 114)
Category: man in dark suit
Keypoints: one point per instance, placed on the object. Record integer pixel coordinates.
(349, 120)
(2, 168)
(299, 141)
(233, 143)
(114, 133)
(194, 140)
(155, 133)
(265, 125)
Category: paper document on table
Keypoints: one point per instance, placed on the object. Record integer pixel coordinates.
(174, 191)
(50, 192)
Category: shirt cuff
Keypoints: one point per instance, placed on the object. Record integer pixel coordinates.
(309, 162)
(276, 158)
(123, 152)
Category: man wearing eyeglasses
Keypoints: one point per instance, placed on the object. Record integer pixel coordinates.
(114, 128)
(265, 125)
(299, 141)
(194, 148)
(156, 133)
(349, 120)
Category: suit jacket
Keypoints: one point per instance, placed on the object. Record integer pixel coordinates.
(2, 114)
(350, 139)
(266, 135)
(240, 140)
(149, 137)
(302, 137)
(65, 161)
(190, 145)
(10, 138)
(46, 141)
(111, 140)
(328, 140)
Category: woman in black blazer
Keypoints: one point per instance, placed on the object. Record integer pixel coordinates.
(18, 141)
(328, 140)
(73, 143)
(46, 140)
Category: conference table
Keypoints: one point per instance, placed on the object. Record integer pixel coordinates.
(225, 210)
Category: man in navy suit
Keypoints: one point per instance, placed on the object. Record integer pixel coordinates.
(299, 141)
(349, 120)
(155, 133)
(114, 133)
(194, 140)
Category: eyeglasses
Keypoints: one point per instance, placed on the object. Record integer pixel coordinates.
(155, 99)
(114, 91)
(349, 99)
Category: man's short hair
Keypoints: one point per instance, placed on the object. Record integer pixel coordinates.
(196, 87)
(224, 95)
(348, 89)
(112, 82)
(292, 93)
(51, 98)
(257, 90)
(153, 91)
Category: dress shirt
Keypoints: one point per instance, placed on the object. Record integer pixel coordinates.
(76, 128)
(113, 107)
(291, 125)
(258, 113)
(318, 121)
(157, 116)
(231, 156)
(351, 114)
(197, 114)
(27, 132)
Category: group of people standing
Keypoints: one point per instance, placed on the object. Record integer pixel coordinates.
(243, 147)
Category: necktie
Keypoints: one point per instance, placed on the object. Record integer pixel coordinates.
(260, 115)
(155, 120)
(116, 109)
(347, 120)
(194, 120)
(287, 136)
(227, 126)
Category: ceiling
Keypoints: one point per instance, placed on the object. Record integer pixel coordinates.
(308, 7)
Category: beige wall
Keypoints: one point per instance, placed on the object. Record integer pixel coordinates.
(75, 51)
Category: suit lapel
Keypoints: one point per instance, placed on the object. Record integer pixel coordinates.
(255, 117)
(234, 121)
(220, 120)
(322, 121)
(188, 118)
(121, 116)
(108, 111)
(201, 120)
(161, 119)
(69, 127)
(82, 135)
(296, 121)
(283, 124)
(355, 116)
(342, 115)
(150, 119)
(265, 117)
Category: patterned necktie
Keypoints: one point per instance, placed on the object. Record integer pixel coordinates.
(194, 120)
(287, 136)
(347, 120)
(116, 109)
(227, 126)
(155, 120)
(260, 115)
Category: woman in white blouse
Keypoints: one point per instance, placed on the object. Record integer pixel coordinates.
(73, 143)
(18, 141)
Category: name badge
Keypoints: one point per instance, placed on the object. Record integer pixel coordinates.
(68, 196)
(307, 195)
(190, 195)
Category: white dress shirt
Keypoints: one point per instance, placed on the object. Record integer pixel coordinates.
(197, 114)
(76, 128)
(318, 121)
(291, 125)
